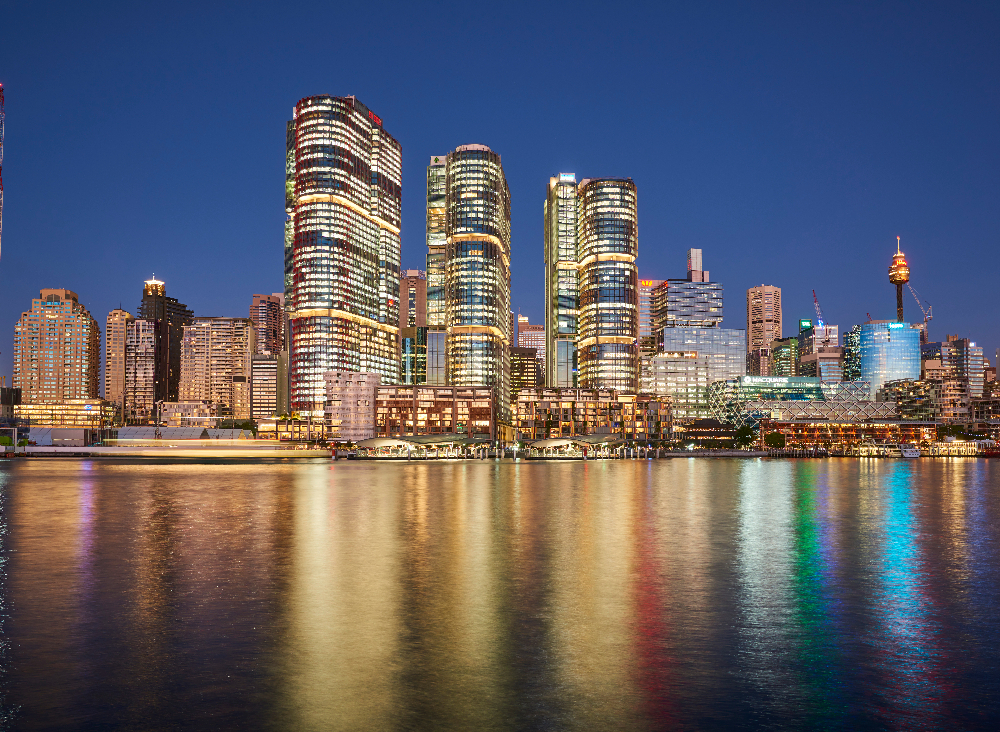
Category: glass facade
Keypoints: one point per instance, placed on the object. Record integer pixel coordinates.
(477, 272)
(607, 246)
(344, 268)
(561, 281)
(691, 360)
(413, 355)
(851, 359)
(437, 241)
(686, 303)
(889, 351)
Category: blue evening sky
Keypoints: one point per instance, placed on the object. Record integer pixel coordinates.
(792, 142)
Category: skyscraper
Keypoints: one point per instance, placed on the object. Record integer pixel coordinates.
(268, 318)
(437, 241)
(889, 351)
(607, 246)
(477, 272)
(763, 327)
(115, 330)
(141, 340)
(215, 364)
(169, 318)
(413, 299)
(57, 350)
(344, 265)
(561, 282)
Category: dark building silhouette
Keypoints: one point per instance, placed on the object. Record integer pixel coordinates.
(169, 318)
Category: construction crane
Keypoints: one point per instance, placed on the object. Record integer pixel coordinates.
(819, 320)
(1, 163)
(928, 316)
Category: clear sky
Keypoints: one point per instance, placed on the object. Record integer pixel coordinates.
(792, 142)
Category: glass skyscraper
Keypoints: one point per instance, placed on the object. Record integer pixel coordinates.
(561, 282)
(343, 268)
(607, 246)
(477, 272)
(889, 351)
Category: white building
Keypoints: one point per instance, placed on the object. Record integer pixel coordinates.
(350, 404)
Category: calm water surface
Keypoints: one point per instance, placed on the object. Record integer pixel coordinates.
(632, 595)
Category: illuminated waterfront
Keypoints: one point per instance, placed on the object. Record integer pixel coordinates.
(684, 593)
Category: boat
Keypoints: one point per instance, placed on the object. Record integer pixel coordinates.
(908, 450)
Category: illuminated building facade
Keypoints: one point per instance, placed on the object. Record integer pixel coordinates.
(889, 351)
(413, 355)
(268, 385)
(114, 357)
(525, 371)
(692, 359)
(607, 246)
(350, 405)
(268, 316)
(557, 413)
(140, 371)
(763, 327)
(477, 272)
(413, 299)
(562, 287)
(437, 241)
(169, 318)
(343, 271)
(433, 410)
(215, 364)
(57, 350)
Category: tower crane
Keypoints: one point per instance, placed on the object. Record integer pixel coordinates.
(928, 316)
(819, 320)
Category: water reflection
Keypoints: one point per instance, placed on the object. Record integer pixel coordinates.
(688, 593)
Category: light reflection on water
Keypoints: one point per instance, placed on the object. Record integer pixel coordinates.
(640, 595)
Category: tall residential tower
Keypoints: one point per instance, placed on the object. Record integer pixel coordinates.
(343, 268)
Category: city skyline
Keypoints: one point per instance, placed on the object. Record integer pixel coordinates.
(853, 188)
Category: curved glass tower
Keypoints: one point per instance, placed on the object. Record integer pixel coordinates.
(343, 268)
(608, 244)
(477, 272)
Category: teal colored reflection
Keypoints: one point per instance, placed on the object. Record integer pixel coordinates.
(904, 629)
(819, 641)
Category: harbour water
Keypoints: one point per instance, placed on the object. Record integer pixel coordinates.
(492, 595)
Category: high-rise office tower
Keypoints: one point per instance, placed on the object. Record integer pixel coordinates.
(646, 289)
(268, 377)
(607, 246)
(889, 351)
(691, 303)
(57, 350)
(477, 272)
(114, 357)
(413, 299)
(169, 318)
(344, 266)
(141, 343)
(695, 349)
(562, 287)
(763, 327)
(531, 335)
(437, 241)
(268, 318)
(216, 362)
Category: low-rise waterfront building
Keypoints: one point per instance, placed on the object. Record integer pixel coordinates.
(350, 405)
(556, 413)
(188, 414)
(430, 410)
(85, 413)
